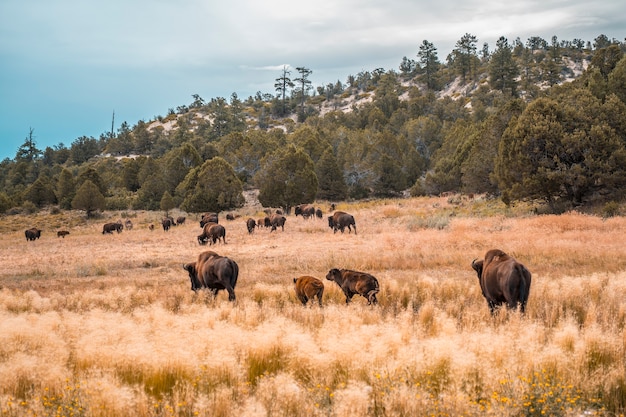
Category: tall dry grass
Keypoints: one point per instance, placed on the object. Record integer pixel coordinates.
(95, 325)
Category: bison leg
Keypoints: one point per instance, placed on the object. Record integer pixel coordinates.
(231, 293)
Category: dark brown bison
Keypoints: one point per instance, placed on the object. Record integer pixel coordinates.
(267, 222)
(307, 288)
(354, 282)
(305, 210)
(209, 218)
(62, 233)
(212, 233)
(180, 220)
(32, 234)
(340, 220)
(166, 223)
(503, 280)
(112, 227)
(214, 272)
(277, 220)
(319, 213)
(251, 225)
(128, 225)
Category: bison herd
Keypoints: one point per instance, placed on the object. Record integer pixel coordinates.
(502, 279)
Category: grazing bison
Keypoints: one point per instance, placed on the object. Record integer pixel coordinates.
(212, 232)
(340, 220)
(32, 234)
(354, 282)
(277, 220)
(180, 220)
(503, 280)
(214, 272)
(128, 225)
(305, 210)
(267, 222)
(319, 213)
(307, 288)
(62, 233)
(112, 227)
(261, 222)
(209, 218)
(166, 223)
(251, 225)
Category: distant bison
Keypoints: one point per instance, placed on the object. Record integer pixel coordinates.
(307, 288)
(267, 222)
(214, 272)
(503, 280)
(128, 225)
(112, 227)
(277, 220)
(209, 218)
(151, 227)
(212, 233)
(166, 223)
(340, 220)
(305, 210)
(32, 234)
(354, 282)
(251, 225)
(180, 220)
(319, 213)
(62, 233)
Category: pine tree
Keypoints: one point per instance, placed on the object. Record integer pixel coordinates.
(89, 198)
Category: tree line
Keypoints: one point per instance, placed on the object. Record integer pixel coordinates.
(513, 128)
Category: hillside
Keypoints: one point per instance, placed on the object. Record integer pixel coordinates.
(537, 122)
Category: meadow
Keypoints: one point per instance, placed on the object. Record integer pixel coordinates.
(107, 325)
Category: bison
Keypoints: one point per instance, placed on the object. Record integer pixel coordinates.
(166, 223)
(307, 288)
(128, 225)
(180, 220)
(112, 227)
(212, 232)
(305, 210)
(214, 272)
(340, 220)
(32, 234)
(62, 233)
(251, 225)
(209, 218)
(277, 220)
(503, 280)
(319, 213)
(354, 282)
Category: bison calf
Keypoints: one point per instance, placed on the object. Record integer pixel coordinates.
(354, 282)
(307, 288)
(62, 233)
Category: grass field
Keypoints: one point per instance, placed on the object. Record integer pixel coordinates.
(106, 325)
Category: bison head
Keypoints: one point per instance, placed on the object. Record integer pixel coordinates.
(334, 275)
(478, 267)
(202, 240)
(193, 275)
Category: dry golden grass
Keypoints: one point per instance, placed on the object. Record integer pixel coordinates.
(106, 325)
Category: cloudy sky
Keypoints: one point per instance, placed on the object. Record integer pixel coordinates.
(67, 65)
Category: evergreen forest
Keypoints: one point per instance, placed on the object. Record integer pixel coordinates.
(524, 120)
